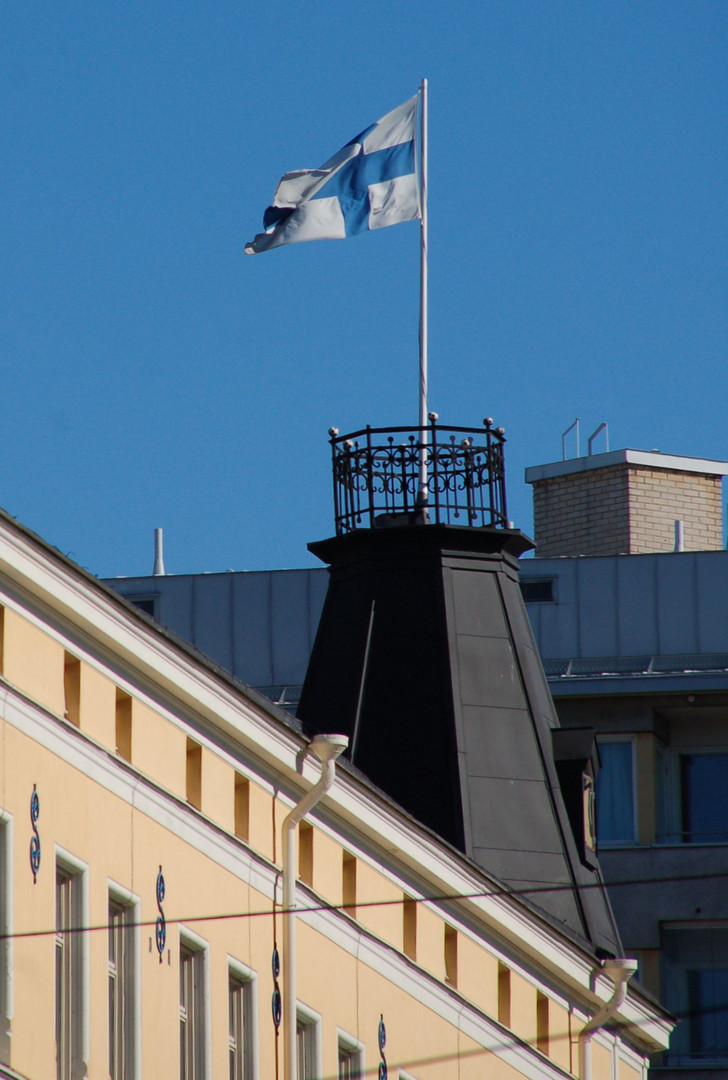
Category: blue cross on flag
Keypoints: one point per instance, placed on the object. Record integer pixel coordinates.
(369, 184)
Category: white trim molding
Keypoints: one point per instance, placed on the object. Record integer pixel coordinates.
(76, 870)
(646, 459)
(244, 974)
(199, 949)
(6, 929)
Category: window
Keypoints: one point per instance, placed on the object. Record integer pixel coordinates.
(6, 944)
(147, 604)
(348, 883)
(695, 988)
(588, 803)
(537, 590)
(451, 955)
(242, 807)
(123, 725)
(542, 1022)
(72, 688)
(409, 927)
(691, 808)
(615, 793)
(308, 1052)
(194, 774)
(351, 1058)
(242, 1024)
(504, 995)
(192, 1018)
(704, 815)
(64, 974)
(123, 988)
(305, 852)
(71, 990)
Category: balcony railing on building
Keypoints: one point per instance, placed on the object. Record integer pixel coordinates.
(422, 475)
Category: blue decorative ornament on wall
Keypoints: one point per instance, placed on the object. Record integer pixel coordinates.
(382, 1033)
(35, 838)
(161, 927)
(276, 1008)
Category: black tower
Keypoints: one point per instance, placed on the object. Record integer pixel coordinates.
(425, 658)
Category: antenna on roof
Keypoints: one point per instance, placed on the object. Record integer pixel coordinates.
(571, 427)
(158, 570)
(604, 426)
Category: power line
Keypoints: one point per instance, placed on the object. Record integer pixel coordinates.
(351, 908)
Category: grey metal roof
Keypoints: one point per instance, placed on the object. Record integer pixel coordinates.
(634, 606)
(258, 625)
(613, 620)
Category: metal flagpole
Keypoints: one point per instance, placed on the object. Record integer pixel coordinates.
(423, 493)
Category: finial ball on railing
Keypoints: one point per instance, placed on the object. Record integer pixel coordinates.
(488, 421)
(433, 417)
(333, 432)
(500, 431)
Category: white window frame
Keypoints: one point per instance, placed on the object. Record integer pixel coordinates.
(241, 973)
(200, 1068)
(310, 1021)
(6, 929)
(76, 968)
(353, 1049)
(618, 738)
(129, 979)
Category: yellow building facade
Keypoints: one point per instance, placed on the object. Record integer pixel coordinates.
(142, 798)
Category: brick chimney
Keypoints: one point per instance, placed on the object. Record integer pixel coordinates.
(627, 502)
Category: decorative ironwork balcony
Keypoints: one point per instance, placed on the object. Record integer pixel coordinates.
(422, 475)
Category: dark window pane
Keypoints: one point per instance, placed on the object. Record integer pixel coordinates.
(537, 590)
(704, 783)
(144, 603)
(615, 794)
(696, 989)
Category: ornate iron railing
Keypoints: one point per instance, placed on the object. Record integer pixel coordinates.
(433, 475)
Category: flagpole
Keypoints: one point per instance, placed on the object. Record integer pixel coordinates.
(423, 493)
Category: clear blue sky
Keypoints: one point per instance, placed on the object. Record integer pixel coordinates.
(155, 376)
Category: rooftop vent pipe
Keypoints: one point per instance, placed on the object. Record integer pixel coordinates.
(158, 570)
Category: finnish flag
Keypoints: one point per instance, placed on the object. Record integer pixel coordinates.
(369, 184)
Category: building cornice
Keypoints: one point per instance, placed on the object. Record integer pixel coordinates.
(436, 869)
(643, 459)
(87, 611)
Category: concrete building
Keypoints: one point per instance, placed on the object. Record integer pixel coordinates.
(634, 639)
(146, 802)
(636, 646)
(648, 669)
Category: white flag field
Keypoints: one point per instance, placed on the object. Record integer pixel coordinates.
(370, 183)
(377, 179)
